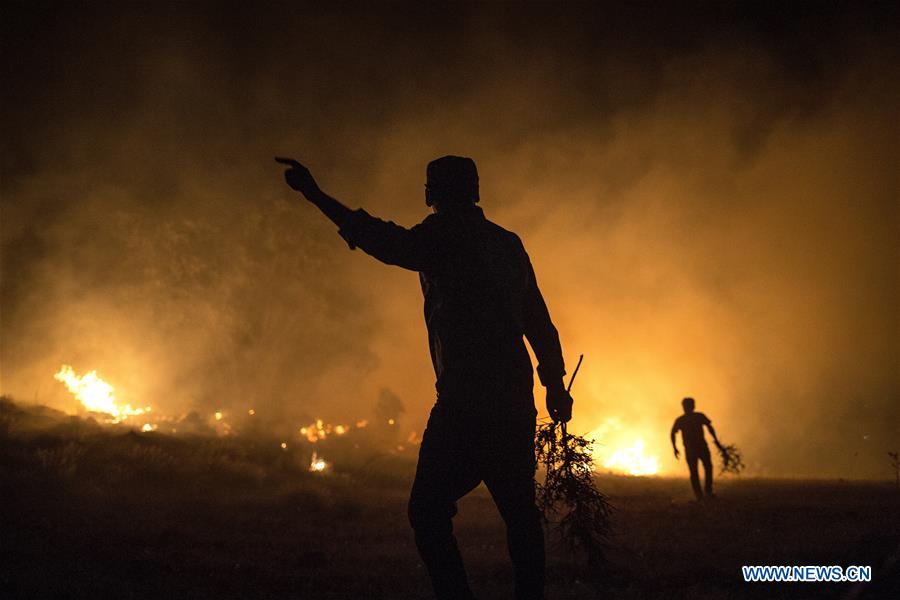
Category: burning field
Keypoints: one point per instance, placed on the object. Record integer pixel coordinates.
(205, 394)
(114, 509)
(618, 448)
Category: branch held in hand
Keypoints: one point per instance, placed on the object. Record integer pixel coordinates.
(732, 460)
(568, 495)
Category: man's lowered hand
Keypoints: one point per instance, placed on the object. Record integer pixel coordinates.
(559, 403)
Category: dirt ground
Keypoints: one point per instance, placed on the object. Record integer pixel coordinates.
(126, 515)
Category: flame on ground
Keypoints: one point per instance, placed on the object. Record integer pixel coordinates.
(96, 395)
(619, 449)
(317, 464)
(320, 430)
(632, 460)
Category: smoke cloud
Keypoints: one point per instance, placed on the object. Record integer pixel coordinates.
(709, 200)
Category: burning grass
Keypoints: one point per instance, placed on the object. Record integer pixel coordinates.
(96, 395)
(93, 511)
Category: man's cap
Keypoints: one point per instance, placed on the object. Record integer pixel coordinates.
(455, 176)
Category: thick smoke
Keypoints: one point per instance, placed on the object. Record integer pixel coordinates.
(711, 210)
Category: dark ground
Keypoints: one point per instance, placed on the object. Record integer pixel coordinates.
(100, 514)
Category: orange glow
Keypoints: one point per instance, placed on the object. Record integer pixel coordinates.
(320, 430)
(632, 460)
(621, 449)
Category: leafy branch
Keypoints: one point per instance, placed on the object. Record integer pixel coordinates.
(567, 495)
(732, 460)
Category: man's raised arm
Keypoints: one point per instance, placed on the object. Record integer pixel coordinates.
(300, 179)
(388, 242)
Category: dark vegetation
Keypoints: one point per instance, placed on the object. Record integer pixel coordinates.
(568, 498)
(97, 512)
(732, 461)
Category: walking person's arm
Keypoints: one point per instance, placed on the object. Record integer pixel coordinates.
(712, 432)
(672, 437)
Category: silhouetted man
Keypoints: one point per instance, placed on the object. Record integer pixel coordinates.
(481, 298)
(690, 424)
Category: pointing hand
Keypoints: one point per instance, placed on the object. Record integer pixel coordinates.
(298, 177)
(677, 454)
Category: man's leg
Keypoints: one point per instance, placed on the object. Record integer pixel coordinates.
(441, 479)
(708, 472)
(695, 475)
(510, 479)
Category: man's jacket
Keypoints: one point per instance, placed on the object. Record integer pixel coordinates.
(481, 298)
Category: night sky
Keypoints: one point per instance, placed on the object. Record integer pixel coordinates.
(708, 195)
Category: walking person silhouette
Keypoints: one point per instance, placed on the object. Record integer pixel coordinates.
(481, 298)
(690, 424)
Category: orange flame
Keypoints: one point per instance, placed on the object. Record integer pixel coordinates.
(96, 395)
(317, 464)
(621, 449)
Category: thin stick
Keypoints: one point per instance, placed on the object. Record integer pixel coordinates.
(574, 373)
(565, 433)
